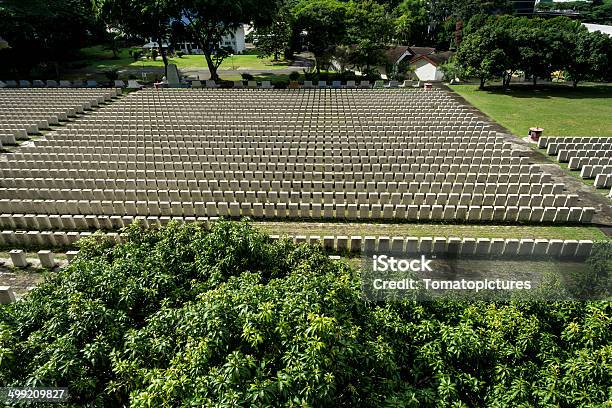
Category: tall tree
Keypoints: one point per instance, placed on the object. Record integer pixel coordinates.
(208, 21)
(591, 57)
(534, 53)
(411, 22)
(324, 22)
(143, 18)
(369, 29)
(561, 34)
(275, 38)
(43, 33)
(483, 54)
(446, 13)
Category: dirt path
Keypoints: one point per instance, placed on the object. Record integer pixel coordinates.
(19, 280)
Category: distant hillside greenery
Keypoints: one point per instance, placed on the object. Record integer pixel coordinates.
(184, 316)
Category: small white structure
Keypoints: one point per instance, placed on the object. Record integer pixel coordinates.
(402, 53)
(153, 44)
(18, 257)
(235, 40)
(47, 258)
(604, 29)
(427, 67)
(4, 44)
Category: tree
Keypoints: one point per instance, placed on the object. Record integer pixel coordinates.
(275, 38)
(601, 13)
(369, 29)
(324, 22)
(143, 18)
(411, 22)
(39, 35)
(443, 13)
(179, 34)
(591, 57)
(185, 316)
(534, 53)
(483, 54)
(208, 21)
(529, 48)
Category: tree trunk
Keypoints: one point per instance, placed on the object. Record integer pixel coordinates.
(211, 66)
(162, 52)
(482, 83)
(574, 83)
(535, 80)
(458, 33)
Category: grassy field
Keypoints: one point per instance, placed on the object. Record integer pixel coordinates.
(96, 58)
(560, 110)
(431, 230)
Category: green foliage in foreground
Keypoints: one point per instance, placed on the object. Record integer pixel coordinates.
(182, 316)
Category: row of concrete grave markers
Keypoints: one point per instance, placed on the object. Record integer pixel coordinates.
(46, 258)
(556, 248)
(19, 260)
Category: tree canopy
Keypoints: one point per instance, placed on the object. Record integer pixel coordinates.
(40, 36)
(183, 316)
(208, 21)
(324, 22)
(497, 47)
(147, 19)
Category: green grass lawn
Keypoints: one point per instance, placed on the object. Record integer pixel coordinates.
(560, 110)
(96, 58)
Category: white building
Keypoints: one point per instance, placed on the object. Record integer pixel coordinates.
(605, 29)
(427, 67)
(235, 41)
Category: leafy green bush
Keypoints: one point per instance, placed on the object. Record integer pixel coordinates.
(136, 54)
(311, 76)
(294, 76)
(111, 73)
(183, 316)
(246, 76)
(347, 76)
(371, 75)
(597, 280)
